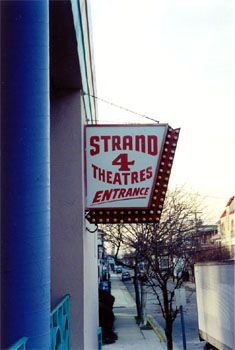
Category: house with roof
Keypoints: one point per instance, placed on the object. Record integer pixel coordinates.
(227, 226)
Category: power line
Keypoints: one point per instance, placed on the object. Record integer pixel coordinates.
(121, 107)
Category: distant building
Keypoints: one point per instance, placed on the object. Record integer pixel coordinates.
(206, 234)
(227, 226)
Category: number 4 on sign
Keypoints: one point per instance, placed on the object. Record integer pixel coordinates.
(122, 161)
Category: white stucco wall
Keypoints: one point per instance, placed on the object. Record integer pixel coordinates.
(74, 264)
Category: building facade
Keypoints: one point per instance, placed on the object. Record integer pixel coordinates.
(227, 227)
(48, 249)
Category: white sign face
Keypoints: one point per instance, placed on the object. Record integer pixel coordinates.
(121, 164)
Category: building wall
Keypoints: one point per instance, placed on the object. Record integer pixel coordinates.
(26, 185)
(73, 264)
(25, 181)
(91, 320)
(227, 226)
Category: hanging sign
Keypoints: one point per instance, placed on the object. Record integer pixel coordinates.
(124, 163)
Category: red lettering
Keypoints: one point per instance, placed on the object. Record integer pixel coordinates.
(146, 191)
(115, 190)
(122, 161)
(94, 170)
(136, 192)
(119, 193)
(106, 139)
(127, 143)
(109, 177)
(149, 172)
(122, 193)
(129, 192)
(140, 143)
(116, 143)
(152, 145)
(117, 179)
(107, 195)
(142, 191)
(97, 196)
(121, 178)
(125, 176)
(93, 143)
(101, 174)
(142, 175)
(134, 177)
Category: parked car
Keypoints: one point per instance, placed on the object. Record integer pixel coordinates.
(126, 276)
(118, 269)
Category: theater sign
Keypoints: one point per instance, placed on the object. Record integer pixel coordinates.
(127, 171)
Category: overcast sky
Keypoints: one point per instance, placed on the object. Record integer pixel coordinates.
(173, 61)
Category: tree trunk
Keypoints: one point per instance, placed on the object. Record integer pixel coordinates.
(143, 305)
(137, 295)
(168, 319)
(168, 332)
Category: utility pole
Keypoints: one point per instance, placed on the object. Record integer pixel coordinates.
(197, 226)
(195, 237)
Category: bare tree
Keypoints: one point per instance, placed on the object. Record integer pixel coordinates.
(123, 244)
(164, 248)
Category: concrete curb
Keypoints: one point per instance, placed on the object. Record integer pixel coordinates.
(156, 328)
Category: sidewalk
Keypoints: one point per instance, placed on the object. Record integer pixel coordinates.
(130, 336)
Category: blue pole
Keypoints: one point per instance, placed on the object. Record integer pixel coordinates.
(25, 179)
(183, 327)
